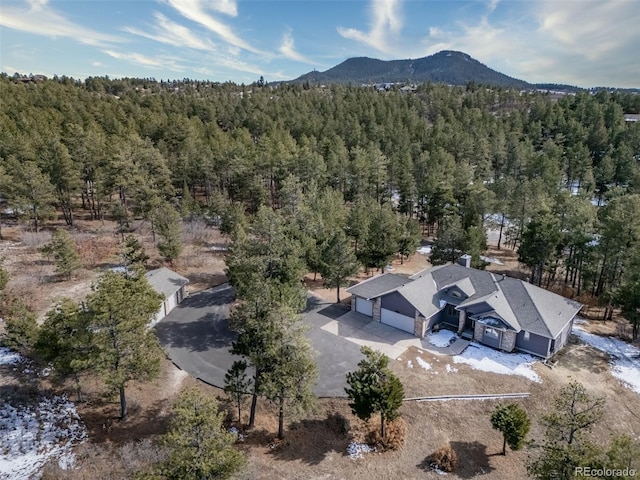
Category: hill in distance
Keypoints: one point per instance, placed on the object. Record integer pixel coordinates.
(451, 67)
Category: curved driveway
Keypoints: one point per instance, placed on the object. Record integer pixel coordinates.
(196, 337)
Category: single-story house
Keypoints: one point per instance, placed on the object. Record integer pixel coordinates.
(495, 310)
(169, 284)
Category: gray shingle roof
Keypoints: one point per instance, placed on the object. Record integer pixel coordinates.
(522, 305)
(165, 281)
(379, 285)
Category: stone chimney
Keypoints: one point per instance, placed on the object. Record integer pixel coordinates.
(465, 261)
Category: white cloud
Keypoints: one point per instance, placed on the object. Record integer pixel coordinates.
(225, 6)
(592, 29)
(287, 48)
(171, 33)
(147, 61)
(196, 11)
(41, 19)
(386, 24)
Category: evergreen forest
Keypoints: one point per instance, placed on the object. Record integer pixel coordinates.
(559, 178)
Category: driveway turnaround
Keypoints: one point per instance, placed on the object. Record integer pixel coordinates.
(196, 337)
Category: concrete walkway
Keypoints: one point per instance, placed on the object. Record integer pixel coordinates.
(362, 330)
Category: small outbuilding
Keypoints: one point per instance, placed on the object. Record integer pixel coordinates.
(169, 284)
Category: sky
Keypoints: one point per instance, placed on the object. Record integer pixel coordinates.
(578, 42)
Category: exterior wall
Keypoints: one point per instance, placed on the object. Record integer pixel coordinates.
(508, 340)
(353, 303)
(397, 303)
(563, 338)
(536, 345)
(419, 325)
(432, 321)
(377, 306)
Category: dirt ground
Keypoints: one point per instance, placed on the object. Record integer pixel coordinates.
(315, 448)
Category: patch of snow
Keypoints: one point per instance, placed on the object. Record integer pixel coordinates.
(409, 364)
(624, 364)
(450, 369)
(30, 435)
(487, 359)
(443, 338)
(423, 364)
(424, 250)
(389, 268)
(355, 450)
(9, 357)
(491, 260)
(219, 248)
(438, 471)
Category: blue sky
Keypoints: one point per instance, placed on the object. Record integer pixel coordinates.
(580, 42)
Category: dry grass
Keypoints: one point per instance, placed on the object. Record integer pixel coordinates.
(316, 446)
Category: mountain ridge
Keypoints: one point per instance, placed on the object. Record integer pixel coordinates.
(446, 66)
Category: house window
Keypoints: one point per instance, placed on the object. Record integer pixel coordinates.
(526, 336)
(491, 332)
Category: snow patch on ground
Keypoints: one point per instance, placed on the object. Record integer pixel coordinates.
(487, 359)
(625, 363)
(9, 357)
(423, 364)
(356, 450)
(443, 338)
(491, 260)
(32, 434)
(409, 364)
(424, 250)
(450, 369)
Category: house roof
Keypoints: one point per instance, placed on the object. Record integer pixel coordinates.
(165, 281)
(521, 305)
(379, 285)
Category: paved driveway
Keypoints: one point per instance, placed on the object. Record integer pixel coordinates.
(196, 336)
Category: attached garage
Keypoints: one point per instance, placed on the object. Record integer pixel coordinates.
(397, 320)
(364, 306)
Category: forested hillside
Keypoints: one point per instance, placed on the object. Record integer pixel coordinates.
(560, 179)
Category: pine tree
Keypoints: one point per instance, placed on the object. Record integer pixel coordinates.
(196, 443)
(291, 371)
(514, 424)
(132, 252)
(566, 444)
(64, 341)
(338, 262)
(120, 309)
(374, 388)
(237, 385)
(21, 327)
(64, 252)
(168, 225)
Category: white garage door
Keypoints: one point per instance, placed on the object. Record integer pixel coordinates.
(364, 306)
(171, 302)
(397, 320)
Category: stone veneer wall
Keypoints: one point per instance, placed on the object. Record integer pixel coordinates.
(478, 332)
(419, 325)
(508, 340)
(377, 307)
